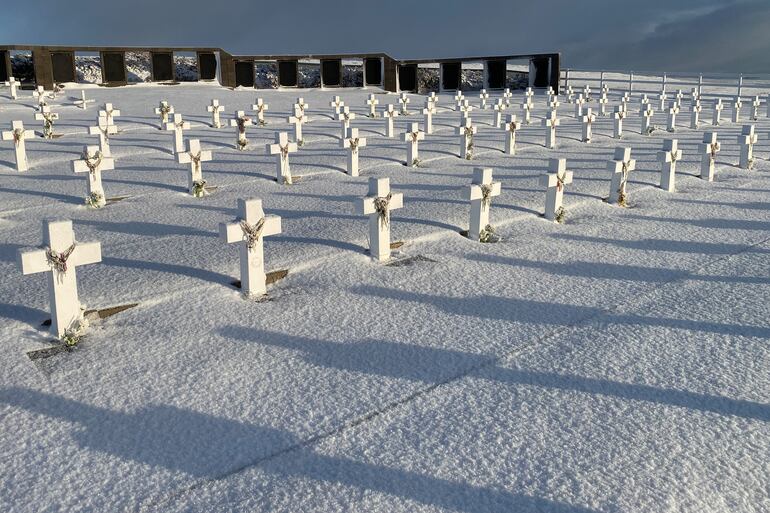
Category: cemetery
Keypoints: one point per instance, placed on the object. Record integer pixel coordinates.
(349, 282)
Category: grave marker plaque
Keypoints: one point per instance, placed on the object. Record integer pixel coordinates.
(5, 73)
(373, 71)
(496, 73)
(287, 73)
(162, 66)
(331, 73)
(114, 67)
(63, 66)
(207, 66)
(407, 77)
(244, 73)
(450, 76)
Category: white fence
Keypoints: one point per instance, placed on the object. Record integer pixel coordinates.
(714, 85)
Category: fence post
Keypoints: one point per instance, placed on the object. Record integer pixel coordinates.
(630, 82)
(740, 85)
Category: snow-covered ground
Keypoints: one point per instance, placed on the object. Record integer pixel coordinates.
(615, 363)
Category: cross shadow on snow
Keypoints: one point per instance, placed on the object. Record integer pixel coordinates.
(213, 448)
(674, 246)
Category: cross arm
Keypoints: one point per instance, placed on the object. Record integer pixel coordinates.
(474, 191)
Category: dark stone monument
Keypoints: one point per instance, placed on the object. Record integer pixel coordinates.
(287, 73)
(114, 67)
(407, 77)
(63, 66)
(162, 66)
(450, 76)
(496, 73)
(207, 66)
(540, 68)
(331, 72)
(244, 73)
(4, 71)
(373, 71)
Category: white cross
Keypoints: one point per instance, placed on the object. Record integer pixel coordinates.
(570, 94)
(60, 257)
(378, 205)
(643, 102)
(249, 230)
(718, 107)
(354, 143)
(260, 108)
(756, 103)
(694, 95)
(93, 162)
(459, 98)
(499, 108)
(372, 102)
(466, 131)
(241, 121)
(345, 117)
(668, 158)
(747, 140)
(12, 83)
(527, 108)
(302, 106)
(588, 121)
(709, 150)
(215, 108)
(298, 119)
(679, 96)
(404, 101)
(617, 126)
(554, 183)
(511, 126)
(620, 168)
(672, 112)
(624, 100)
(282, 148)
(480, 194)
(646, 114)
(47, 117)
(603, 101)
(104, 131)
(389, 114)
(111, 113)
(428, 112)
(412, 137)
(587, 93)
(579, 103)
(507, 95)
(163, 110)
(178, 127)
(465, 110)
(41, 95)
(433, 99)
(483, 97)
(18, 135)
(336, 104)
(83, 102)
(554, 103)
(662, 97)
(529, 95)
(695, 109)
(194, 156)
(737, 105)
(550, 123)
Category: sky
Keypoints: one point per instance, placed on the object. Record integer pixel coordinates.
(656, 35)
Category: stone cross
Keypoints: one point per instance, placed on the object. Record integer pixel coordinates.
(529, 95)
(695, 109)
(498, 107)
(554, 183)
(83, 102)
(194, 156)
(570, 94)
(526, 107)
(336, 104)
(215, 108)
(241, 121)
(483, 97)
(413, 136)
(459, 98)
(301, 105)
(549, 95)
(554, 104)
(550, 123)
(41, 95)
(737, 105)
(110, 112)
(646, 115)
(178, 126)
(747, 140)
(670, 155)
(617, 126)
(718, 107)
(378, 205)
(507, 95)
(60, 257)
(428, 111)
(260, 108)
(466, 131)
(620, 167)
(345, 117)
(756, 103)
(511, 126)
(465, 110)
(579, 103)
(104, 131)
(603, 101)
(433, 98)
(672, 112)
(662, 97)
(93, 162)
(249, 230)
(163, 110)
(282, 148)
(12, 83)
(47, 117)
(389, 114)
(587, 93)
(298, 119)
(588, 121)
(679, 96)
(354, 143)
(372, 102)
(480, 194)
(605, 90)
(18, 135)
(643, 102)
(709, 150)
(404, 101)
(694, 95)
(624, 101)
